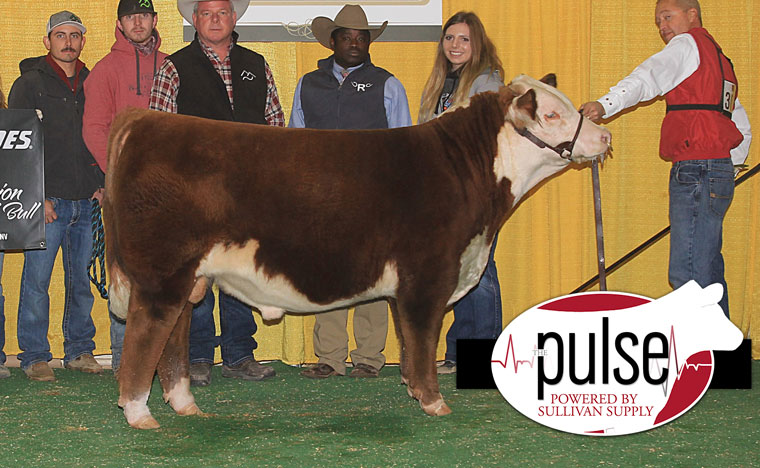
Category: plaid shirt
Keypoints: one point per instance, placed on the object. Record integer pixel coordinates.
(163, 95)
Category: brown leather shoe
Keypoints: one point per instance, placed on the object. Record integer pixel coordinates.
(364, 371)
(320, 371)
(40, 371)
(248, 370)
(85, 363)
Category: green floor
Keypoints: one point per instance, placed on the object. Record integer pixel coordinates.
(291, 421)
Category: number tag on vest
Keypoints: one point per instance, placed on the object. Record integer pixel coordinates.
(729, 96)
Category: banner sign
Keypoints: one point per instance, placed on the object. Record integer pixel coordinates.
(22, 180)
(289, 20)
(612, 363)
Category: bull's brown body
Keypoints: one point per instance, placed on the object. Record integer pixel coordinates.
(312, 219)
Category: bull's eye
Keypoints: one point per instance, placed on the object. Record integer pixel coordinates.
(551, 116)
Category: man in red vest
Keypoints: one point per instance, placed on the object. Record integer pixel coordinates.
(705, 133)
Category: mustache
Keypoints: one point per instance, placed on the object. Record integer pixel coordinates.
(68, 49)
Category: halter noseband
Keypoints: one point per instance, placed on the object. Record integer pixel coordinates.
(561, 148)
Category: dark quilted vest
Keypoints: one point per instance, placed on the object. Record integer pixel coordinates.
(202, 92)
(355, 104)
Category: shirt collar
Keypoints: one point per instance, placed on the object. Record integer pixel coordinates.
(337, 69)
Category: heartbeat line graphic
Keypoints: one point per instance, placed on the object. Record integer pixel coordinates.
(673, 352)
(515, 362)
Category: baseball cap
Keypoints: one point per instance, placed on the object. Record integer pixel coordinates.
(62, 18)
(129, 7)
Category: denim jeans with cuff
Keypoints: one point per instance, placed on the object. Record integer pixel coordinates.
(478, 314)
(72, 234)
(700, 194)
(237, 330)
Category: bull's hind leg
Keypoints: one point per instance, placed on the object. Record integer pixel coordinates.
(173, 367)
(419, 321)
(148, 330)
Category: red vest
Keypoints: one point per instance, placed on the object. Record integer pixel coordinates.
(698, 123)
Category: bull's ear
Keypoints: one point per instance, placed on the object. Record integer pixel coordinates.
(550, 79)
(527, 103)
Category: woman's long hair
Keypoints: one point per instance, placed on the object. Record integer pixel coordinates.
(484, 57)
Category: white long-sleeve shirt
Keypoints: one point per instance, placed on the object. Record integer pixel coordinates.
(661, 73)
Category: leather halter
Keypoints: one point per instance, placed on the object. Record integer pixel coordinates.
(561, 148)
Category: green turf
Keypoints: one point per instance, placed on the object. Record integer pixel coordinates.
(291, 421)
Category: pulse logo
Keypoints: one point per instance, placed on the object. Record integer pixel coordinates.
(612, 363)
(15, 139)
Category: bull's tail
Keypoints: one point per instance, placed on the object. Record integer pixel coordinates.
(118, 291)
(120, 287)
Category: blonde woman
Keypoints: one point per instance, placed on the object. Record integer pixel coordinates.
(466, 64)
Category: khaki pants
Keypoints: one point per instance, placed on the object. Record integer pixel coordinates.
(370, 332)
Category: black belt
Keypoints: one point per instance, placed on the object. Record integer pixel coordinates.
(712, 107)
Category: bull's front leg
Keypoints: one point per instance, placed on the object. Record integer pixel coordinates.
(420, 322)
(148, 330)
(173, 367)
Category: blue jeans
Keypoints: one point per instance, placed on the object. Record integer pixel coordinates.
(117, 329)
(72, 233)
(237, 325)
(700, 193)
(478, 314)
(2, 312)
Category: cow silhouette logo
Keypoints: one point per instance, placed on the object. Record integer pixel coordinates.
(612, 363)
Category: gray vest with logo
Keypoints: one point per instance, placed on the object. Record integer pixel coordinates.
(355, 104)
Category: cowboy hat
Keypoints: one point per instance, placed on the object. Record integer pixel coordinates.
(185, 8)
(350, 17)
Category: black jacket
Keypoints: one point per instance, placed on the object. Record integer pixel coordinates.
(71, 172)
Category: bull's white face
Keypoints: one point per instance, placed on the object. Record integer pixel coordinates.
(550, 116)
(556, 120)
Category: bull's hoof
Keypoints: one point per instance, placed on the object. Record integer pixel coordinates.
(190, 410)
(146, 422)
(437, 408)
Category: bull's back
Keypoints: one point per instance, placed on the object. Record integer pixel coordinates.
(317, 202)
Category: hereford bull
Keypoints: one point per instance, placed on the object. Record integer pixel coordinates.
(270, 215)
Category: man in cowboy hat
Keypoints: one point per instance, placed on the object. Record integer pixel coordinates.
(347, 91)
(215, 78)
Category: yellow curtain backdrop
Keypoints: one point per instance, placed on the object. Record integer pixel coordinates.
(547, 248)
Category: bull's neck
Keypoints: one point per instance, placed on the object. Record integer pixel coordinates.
(470, 139)
(469, 135)
(523, 163)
